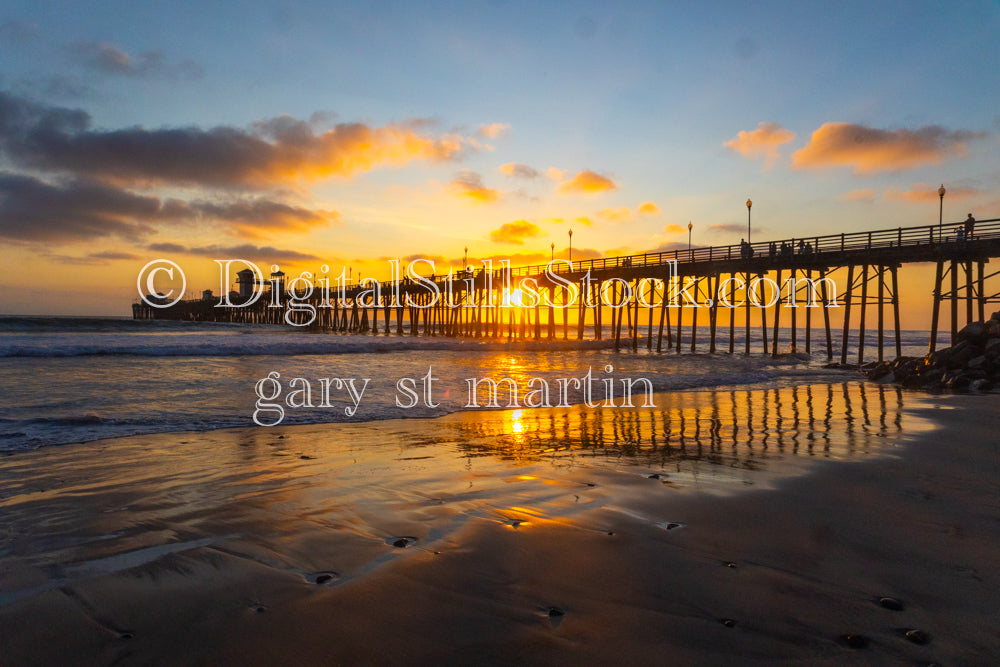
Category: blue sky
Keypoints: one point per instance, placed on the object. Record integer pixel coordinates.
(645, 95)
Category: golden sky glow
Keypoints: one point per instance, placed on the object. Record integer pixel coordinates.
(346, 138)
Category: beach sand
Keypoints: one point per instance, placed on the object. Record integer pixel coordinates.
(753, 526)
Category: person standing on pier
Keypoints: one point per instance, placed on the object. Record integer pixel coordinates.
(970, 225)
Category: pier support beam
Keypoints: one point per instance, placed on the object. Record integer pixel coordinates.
(936, 310)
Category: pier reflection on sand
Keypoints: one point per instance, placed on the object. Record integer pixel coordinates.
(85, 510)
(699, 433)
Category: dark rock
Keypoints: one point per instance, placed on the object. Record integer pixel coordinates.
(879, 371)
(958, 383)
(974, 332)
(961, 354)
(728, 622)
(917, 637)
(931, 376)
(907, 369)
(982, 384)
(973, 362)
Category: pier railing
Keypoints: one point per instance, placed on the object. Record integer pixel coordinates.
(947, 236)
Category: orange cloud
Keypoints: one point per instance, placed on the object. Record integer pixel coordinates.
(515, 232)
(587, 182)
(649, 208)
(617, 214)
(762, 142)
(262, 218)
(271, 152)
(674, 229)
(469, 185)
(249, 251)
(34, 210)
(585, 221)
(518, 170)
(555, 174)
(925, 192)
(870, 150)
(493, 130)
(866, 195)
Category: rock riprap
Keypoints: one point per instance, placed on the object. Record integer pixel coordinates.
(971, 364)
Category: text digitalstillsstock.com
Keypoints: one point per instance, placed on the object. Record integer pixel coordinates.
(593, 391)
(303, 295)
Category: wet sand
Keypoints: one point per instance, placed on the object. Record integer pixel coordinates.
(727, 527)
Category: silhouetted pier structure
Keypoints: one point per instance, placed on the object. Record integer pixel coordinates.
(654, 290)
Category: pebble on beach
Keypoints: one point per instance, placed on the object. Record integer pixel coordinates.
(891, 604)
(917, 637)
(401, 542)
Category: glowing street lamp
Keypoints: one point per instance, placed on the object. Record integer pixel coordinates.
(553, 246)
(941, 192)
(690, 227)
(465, 259)
(749, 204)
(571, 246)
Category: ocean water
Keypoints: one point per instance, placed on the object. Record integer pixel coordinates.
(68, 380)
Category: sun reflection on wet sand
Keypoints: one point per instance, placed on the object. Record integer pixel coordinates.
(739, 430)
(308, 501)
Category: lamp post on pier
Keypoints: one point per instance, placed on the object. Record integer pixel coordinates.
(749, 204)
(553, 247)
(465, 259)
(690, 227)
(941, 192)
(571, 247)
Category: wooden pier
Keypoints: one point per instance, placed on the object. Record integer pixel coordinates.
(652, 294)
